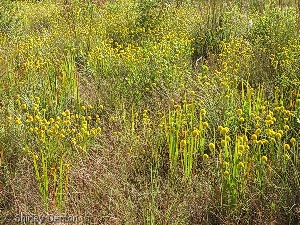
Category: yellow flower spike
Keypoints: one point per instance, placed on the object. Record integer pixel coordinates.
(280, 132)
(18, 121)
(241, 148)
(286, 127)
(30, 118)
(269, 117)
(67, 112)
(265, 141)
(220, 128)
(268, 122)
(89, 117)
(241, 165)
(93, 131)
(64, 114)
(224, 130)
(83, 108)
(90, 107)
(287, 156)
(254, 137)
(258, 131)
(99, 130)
(205, 157)
(226, 173)
(37, 118)
(203, 112)
(227, 138)
(35, 157)
(257, 118)
(239, 112)
(205, 124)
(101, 107)
(252, 115)
(293, 140)
(264, 158)
(38, 100)
(241, 119)
(286, 147)
(24, 106)
(192, 92)
(223, 142)
(182, 143)
(211, 146)
(195, 132)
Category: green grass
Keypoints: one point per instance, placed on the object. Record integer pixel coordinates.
(150, 112)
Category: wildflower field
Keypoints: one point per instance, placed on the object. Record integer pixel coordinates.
(150, 111)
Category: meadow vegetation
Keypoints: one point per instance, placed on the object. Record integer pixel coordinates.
(151, 111)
